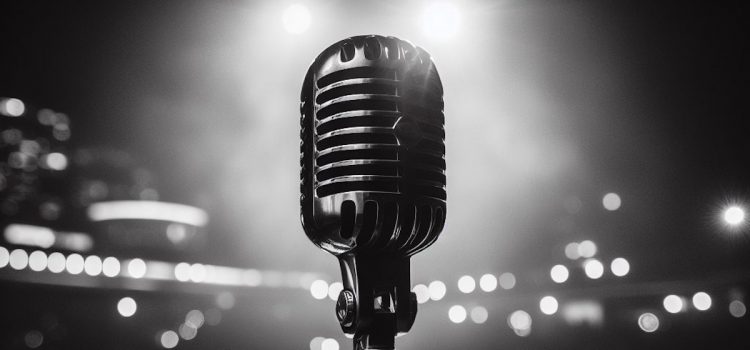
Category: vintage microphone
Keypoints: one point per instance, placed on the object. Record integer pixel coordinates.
(373, 175)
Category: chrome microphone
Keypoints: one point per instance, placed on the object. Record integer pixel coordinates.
(373, 186)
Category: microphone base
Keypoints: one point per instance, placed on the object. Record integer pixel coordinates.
(376, 303)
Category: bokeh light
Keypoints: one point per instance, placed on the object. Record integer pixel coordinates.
(56, 262)
(187, 332)
(137, 268)
(195, 318)
(587, 249)
(198, 272)
(12, 107)
(520, 322)
(648, 322)
(466, 284)
(437, 290)
(182, 272)
(316, 343)
(334, 289)
(548, 305)
(488, 282)
(422, 292)
(593, 268)
(673, 304)
(169, 339)
(33, 339)
(18, 259)
(571, 251)
(507, 280)
(4, 257)
(737, 308)
(479, 314)
(319, 289)
(702, 301)
(127, 307)
(296, 19)
(111, 266)
(37, 260)
(457, 314)
(611, 201)
(620, 267)
(559, 273)
(56, 161)
(92, 265)
(329, 344)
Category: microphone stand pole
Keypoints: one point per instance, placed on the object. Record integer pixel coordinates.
(376, 303)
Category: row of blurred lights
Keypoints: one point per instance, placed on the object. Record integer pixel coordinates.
(439, 20)
(92, 265)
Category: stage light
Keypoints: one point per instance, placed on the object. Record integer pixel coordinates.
(169, 339)
(457, 314)
(488, 282)
(21, 234)
(587, 249)
(296, 19)
(507, 280)
(673, 304)
(466, 284)
(648, 322)
(559, 273)
(548, 305)
(479, 314)
(593, 268)
(12, 107)
(734, 215)
(437, 290)
(147, 210)
(737, 308)
(702, 301)
(520, 322)
(620, 267)
(56, 262)
(441, 20)
(611, 201)
(319, 289)
(422, 292)
(110, 267)
(127, 307)
(4, 257)
(93, 265)
(329, 344)
(18, 259)
(571, 251)
(137, 268)
(334, 290)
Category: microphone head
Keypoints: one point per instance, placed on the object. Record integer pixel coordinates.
(372, 148)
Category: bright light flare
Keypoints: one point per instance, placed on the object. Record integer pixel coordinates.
(12, 107)
(620, 267)
(734, 215)
(296, 19)
(441, 20)
(437, 290)
(422, 292)
(611, 201)
(169, 339)
(488, 282)
(593, 269)
(520, 322)
(319, 289)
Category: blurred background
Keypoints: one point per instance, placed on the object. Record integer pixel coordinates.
(597, 176)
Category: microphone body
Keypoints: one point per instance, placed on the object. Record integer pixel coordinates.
(373, 185)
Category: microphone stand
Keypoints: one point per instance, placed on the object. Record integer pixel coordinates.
(376, 303)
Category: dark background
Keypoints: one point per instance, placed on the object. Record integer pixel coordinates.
(546, 102)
